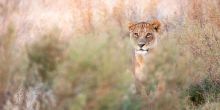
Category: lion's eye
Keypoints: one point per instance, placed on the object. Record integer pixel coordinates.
(136, 34)
(149, 35)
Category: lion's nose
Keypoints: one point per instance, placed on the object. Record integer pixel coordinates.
(141, 45)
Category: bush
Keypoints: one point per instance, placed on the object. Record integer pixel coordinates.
(207, 90)
(45, 55)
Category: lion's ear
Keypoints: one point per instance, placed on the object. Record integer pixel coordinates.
(131, 26)
(156, 25)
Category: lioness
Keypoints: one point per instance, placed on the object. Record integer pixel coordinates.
(144, 37)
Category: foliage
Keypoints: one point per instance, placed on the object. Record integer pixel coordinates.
(206, 91)
(86, 63)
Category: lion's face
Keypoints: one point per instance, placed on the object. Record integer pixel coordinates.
(144, 35)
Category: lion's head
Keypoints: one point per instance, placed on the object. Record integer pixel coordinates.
(144, 35)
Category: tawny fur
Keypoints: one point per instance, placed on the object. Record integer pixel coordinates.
(144, 37)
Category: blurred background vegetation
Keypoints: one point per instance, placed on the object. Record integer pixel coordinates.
(75, 55)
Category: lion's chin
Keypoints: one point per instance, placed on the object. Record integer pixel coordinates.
(141, 51)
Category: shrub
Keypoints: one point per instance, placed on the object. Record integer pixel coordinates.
(207, 90)
(45, 55)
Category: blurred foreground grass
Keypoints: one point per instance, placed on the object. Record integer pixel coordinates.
(93, 72)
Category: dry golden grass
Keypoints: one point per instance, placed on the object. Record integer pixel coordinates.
(75, 55)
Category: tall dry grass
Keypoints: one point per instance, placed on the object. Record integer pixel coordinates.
(75, 55)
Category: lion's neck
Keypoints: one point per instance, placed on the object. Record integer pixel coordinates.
(139, 64)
